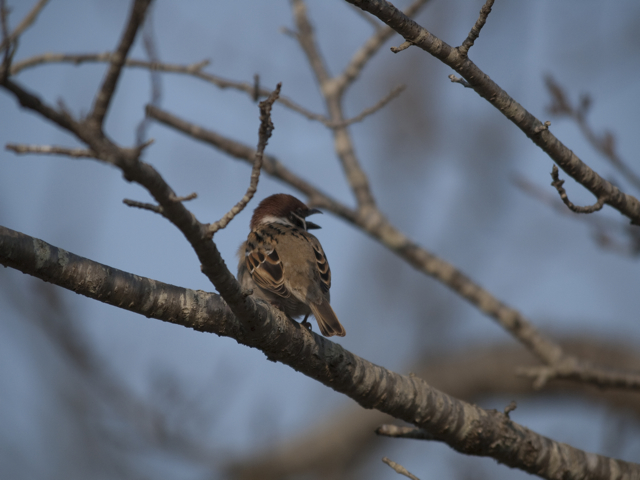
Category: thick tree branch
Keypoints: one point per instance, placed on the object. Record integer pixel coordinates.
(471, 374)
(378, 227)
(488, 89)
(464, 427)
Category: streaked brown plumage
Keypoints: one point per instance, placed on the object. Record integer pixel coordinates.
(285, 265)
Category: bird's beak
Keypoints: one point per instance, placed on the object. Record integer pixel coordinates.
(311, 225)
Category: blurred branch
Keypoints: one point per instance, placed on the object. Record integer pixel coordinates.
(103, 98)
(465, 427)
(361, 58)
(604, 229)
(488, 89)
(26, 22)
(50, 150)
(151, 49)
(332, 95)
(400, 469)
(605, 143)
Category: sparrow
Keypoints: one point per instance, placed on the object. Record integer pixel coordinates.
(285, 265)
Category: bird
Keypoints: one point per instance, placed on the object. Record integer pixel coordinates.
(283, 264)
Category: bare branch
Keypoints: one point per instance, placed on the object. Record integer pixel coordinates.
(459, 80)
(605, 143)
(150, 48)
(402, 47)
(186, 198)
(465, 427)
(368, 111)
(520, 327)
(369, 49)
(26, 22)
(488, 89)
(22, 149)
(475, 30)
(473, 373)
(144, 206)
(105, 94)
(271, 165)
(399, 469)
(306, 38)
(604, 229)
(582, 372)
(331, 92)
(557, 183)
(264, 133)
(194, 70)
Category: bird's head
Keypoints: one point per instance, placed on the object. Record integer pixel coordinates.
(285, 210)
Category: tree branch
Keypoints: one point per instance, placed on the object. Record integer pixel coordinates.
(399, 469)
(26, 22)
(266, 128)
(465, 427)
(105, 94)
(21, 149)
(379, 228)
(475, 30)
(488, 89)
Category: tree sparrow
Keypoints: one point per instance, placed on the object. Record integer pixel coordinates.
(285, 265)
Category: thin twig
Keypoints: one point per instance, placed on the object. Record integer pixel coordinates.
(475, 30)
(51, 150)
(368, 111)
(264, 133)
(144, 206)
(557, 183)
(401, 47)
(105, 94)
(194, 70)
(151, 50)
(360, 59)
(603, 228)
(186, 198)
(572, 369)
(26, 22)
(605, 143)
(459, 80)
(399, 469)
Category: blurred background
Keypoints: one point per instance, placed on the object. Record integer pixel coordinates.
(87, 389)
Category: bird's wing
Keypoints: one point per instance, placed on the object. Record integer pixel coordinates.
(265, 266)
(322, 265)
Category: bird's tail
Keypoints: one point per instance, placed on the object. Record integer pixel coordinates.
(327, 320)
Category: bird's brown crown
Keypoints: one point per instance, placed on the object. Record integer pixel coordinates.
(284, 207)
